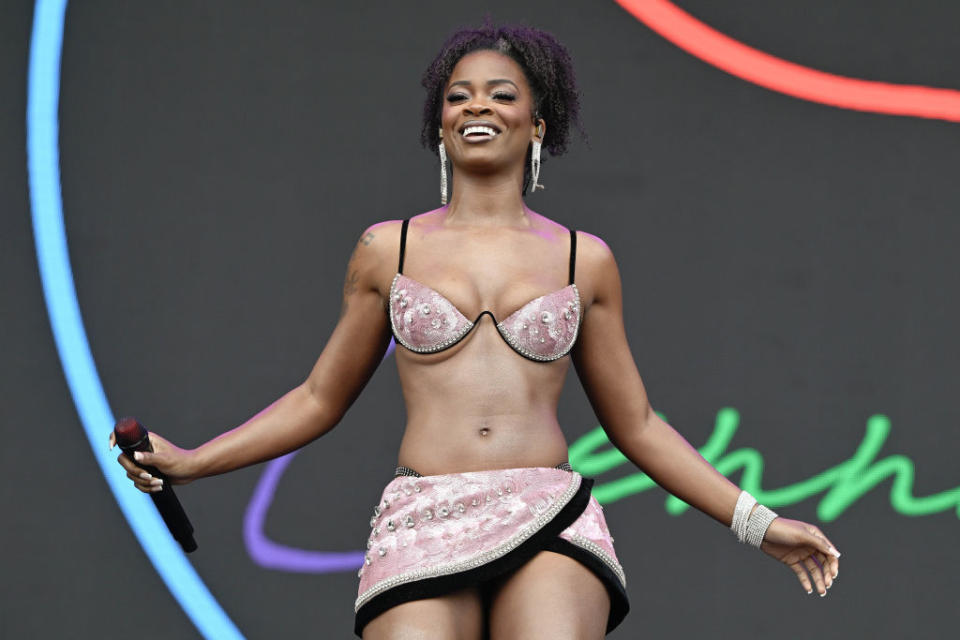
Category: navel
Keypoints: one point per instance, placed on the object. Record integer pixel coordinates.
(484, 432)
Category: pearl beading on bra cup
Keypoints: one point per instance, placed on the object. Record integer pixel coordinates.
(401, 298)
(545, 317)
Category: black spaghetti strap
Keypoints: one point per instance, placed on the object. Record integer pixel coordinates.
(403, 243)
(573, 254)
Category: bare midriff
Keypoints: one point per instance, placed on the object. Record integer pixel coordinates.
(480, 405)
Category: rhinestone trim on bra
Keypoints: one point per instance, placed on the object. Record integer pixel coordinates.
(573, 308)
(519, 348)
(399, 337)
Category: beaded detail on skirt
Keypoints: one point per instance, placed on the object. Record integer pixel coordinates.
(441, 525)
(432, 535)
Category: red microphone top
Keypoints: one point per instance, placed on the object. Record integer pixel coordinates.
(129, 433)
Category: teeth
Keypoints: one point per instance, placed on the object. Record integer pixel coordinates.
(476, 129)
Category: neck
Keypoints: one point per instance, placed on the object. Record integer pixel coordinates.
(487, 200)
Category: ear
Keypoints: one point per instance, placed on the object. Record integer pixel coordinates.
(539, 129)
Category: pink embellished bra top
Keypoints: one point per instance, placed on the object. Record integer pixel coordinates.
(424, 321)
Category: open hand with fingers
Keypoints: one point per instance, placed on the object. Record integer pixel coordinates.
(803, 548)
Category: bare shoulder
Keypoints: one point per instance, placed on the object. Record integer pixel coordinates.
(381, 237)
(379, 244)
(376, 254)
(594, 257)
(597, 276)
(593, 251)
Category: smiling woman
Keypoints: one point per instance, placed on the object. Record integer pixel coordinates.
(485, 524)
(545, 67)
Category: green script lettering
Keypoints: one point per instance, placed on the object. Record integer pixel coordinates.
(844, 483)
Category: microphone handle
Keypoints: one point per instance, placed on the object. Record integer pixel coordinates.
(165, 500)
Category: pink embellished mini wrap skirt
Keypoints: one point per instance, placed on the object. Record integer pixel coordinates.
(433, 535)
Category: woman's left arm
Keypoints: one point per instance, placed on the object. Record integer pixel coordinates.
(610, 378)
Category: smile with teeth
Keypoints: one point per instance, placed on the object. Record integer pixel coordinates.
(479, 131)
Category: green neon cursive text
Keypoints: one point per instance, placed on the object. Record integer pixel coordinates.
(844, 483)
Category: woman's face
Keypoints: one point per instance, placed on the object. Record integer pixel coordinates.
(487, 116)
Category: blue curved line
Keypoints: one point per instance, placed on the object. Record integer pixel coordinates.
(43, 163)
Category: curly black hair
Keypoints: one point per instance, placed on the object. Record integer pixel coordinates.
(545, 63)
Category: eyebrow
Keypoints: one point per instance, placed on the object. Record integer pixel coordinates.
(490, 83)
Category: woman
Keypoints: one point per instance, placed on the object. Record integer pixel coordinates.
(485, 527)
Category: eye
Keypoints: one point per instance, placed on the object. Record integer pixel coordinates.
(504, 95)
(456, 97)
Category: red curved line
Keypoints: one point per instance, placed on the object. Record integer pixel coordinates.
(753, 65)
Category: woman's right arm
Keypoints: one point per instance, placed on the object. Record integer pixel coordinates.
(308, 411)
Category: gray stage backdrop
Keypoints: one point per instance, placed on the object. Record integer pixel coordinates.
(793, 261)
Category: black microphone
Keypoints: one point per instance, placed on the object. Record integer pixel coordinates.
(132, 436)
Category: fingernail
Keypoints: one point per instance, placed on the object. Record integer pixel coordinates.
(146, 476)
(156, 488)
(809, 592)
(823, 594)
(138, 456)
(834, 552)
(157, 482)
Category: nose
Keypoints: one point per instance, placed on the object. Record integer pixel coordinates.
(477, 107)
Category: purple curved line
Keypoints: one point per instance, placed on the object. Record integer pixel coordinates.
(269, 554)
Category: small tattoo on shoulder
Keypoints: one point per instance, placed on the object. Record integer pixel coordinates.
(367, 238)
(350, 284)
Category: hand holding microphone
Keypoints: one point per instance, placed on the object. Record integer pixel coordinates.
(133, 438)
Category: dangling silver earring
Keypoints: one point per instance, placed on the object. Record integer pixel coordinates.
(535, 166)
(535, 159)
(443, 172)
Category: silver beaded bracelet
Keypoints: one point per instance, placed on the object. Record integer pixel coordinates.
(740, 515)
(758, 524)
(751, 526)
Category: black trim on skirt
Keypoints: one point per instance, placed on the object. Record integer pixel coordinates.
(619, 604)
(546, 539)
